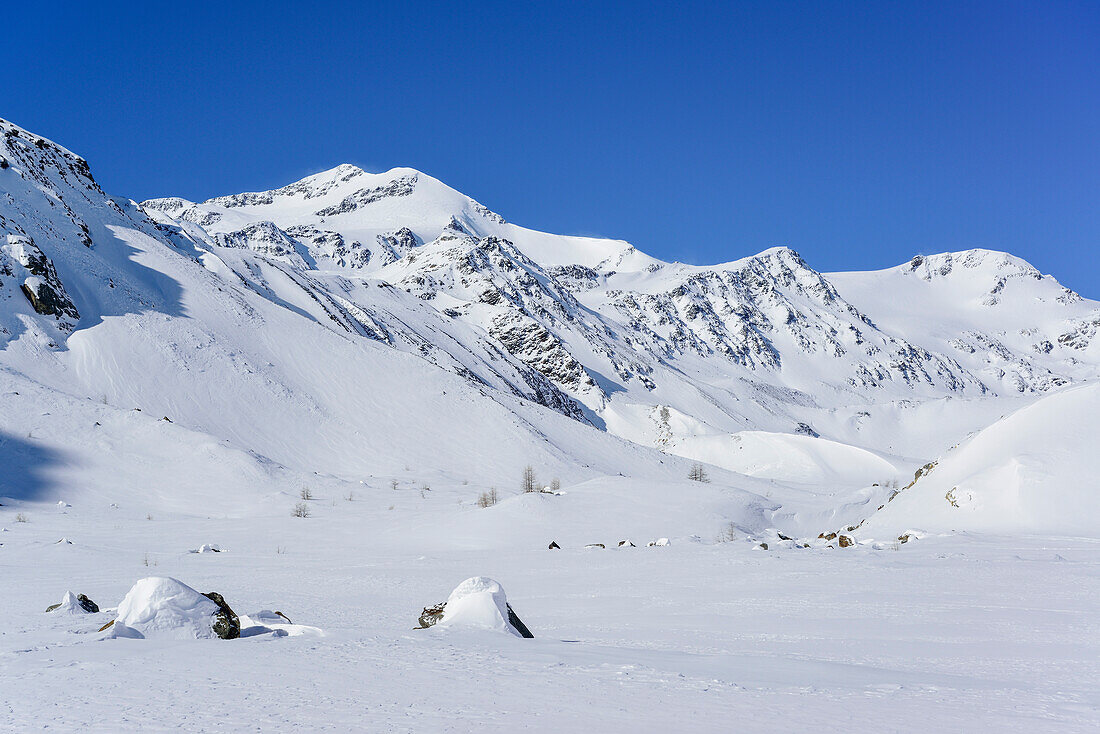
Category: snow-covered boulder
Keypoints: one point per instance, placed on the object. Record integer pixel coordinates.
(478, 603)
(74, 604)
(165, 607)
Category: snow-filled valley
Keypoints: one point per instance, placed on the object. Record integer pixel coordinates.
(319, 402)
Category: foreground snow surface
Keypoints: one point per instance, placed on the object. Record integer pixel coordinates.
(947, 633)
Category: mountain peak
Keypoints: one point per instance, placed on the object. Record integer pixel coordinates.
(987, 262)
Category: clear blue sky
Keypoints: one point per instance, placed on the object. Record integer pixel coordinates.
(858, 134)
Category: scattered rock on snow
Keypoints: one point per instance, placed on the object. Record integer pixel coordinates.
(553, 545)
(74, 604)
(658, 542)
(626, 544)
(226, 624)
(845, 541)
(595, 545)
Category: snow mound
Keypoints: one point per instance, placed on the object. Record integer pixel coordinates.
(165, 607)
(480, 603)
(276, 624)
(1034, 471)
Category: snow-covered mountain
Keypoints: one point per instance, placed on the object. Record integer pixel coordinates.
(352, 322)
(315, 372)
(662, 353)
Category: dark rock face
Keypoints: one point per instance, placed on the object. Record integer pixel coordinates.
(518, 624)
(323, 243)
(554, 545)
(43, 289)
(845, 541)
(533, 344)
(226, 624)
(87, 604)
(398, 187)
(266, 239)
(395, 245)
(44, 299)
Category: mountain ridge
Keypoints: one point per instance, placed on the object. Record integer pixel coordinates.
(591, 328)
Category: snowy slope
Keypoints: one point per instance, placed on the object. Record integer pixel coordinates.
(1033, 471)
(764, 342)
